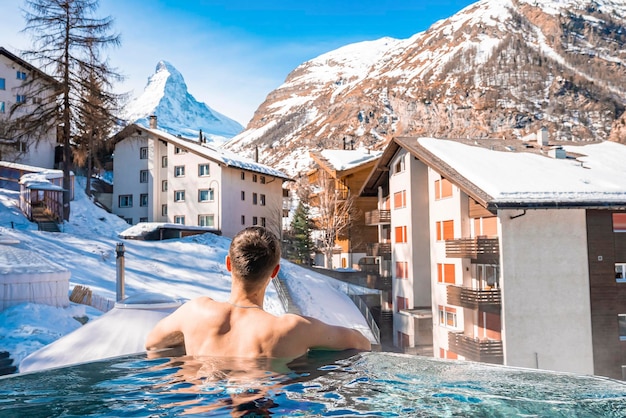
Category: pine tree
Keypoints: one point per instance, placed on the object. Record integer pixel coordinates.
(67, 39)
(301, 234)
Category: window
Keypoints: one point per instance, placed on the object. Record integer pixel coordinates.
(621, 323)
(125, 201)
(487, 275)
(401, 235)
(164, 161)
(21, 75)
(443, 189)
(620, 272)
(20, 98)
(129, 221)
(263, 222)
(486, 226)
(254, 178)
(254, 198)
(2, 84)
(399, 199)
(255, 220)
(143, 176)
(179, 196)
(143, 153)
(402, 270)
(243, 219)
(262, 178)
(401, 303)
(446, 273)
(143, 219)
(163, 210)
(143, 200)
(179, 150)
(179, 171)
(619, 222)
(164, 186)
(179, 219)
(203, 170)
(206, 220)
(445, 230)
(262, 200)
(243, 195)
(447, 317)
(398, 167)
(2, 107)
(205, 195)
(243, 175)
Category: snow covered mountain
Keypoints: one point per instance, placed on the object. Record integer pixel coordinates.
(498, 68)
(177, 111)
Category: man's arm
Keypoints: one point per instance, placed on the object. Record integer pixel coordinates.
(167, 333)
(320, 335)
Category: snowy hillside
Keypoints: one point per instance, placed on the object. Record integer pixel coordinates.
(177, 111)
(498, 68)
(181, 268)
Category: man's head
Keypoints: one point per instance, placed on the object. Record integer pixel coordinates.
(254, 255)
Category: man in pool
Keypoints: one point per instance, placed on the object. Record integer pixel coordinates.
(240, 327)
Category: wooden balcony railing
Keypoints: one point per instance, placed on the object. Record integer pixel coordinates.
(479, 250)
(377, 217)
(489, 300)
(379, 249)
(475, 349)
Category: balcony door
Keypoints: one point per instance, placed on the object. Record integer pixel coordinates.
(487, 276)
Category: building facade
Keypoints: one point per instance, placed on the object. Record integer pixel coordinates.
(513, 274)
(162, 178)
(34, 151)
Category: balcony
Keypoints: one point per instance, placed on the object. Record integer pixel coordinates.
(479, 250)
(377, 217)
(379, 249)
(474, 349)
(488, 300)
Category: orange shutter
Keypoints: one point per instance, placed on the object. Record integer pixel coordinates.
(437, 189)
(440, 273)
(490, 227)
(448, 273)
(438, 231)
(397, 200)
(446, 188)
(399, 234)
(448, 230)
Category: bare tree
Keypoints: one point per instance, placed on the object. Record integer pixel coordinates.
(66, 40)
(336, 210)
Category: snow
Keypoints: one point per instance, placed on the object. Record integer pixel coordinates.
(597, 176)
(179, 268)
(346, 159)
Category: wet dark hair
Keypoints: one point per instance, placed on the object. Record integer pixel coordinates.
(254, 252)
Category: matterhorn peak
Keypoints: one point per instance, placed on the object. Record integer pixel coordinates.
(177, 111)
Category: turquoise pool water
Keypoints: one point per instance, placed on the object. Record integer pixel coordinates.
(324, 384)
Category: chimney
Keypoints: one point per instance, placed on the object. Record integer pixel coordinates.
(542, 137)
(153, 122)
(200, 139)
(256, 154)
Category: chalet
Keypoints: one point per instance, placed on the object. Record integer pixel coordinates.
(39, 151)
(159, 177)
(518, 253)
(346, 170)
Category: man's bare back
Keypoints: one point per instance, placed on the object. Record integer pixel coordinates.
(240, 327)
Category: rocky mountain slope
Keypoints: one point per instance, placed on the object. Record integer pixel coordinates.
(498, 68)
(177, 111)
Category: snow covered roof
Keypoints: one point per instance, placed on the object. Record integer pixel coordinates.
(520, 176)
(50, 173)
(17, 262)
(219, 155)
(342, 160)
(41, 180)
(145, 228)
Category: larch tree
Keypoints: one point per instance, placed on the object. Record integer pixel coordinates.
(67, 38)
(336, 210)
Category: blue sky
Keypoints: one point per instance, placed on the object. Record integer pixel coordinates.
(233, 53)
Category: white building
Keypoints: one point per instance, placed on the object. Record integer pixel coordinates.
(520, 256)
(162, 178)
(38, 151)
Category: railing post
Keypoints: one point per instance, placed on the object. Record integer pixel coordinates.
(119, 282)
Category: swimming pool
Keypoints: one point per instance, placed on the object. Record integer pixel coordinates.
(323, 384)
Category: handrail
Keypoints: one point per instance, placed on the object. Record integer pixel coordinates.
(367, 314)
(282, 293)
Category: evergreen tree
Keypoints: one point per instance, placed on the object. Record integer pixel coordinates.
(301, 233)
(67, 38)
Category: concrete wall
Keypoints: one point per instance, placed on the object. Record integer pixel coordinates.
(126, 168)
(545, 290)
